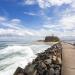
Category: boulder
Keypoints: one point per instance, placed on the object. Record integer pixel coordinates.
(46, 63)
(19, 71)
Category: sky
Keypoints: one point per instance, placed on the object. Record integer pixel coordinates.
(21, 19)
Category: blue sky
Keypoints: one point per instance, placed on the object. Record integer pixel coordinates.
(37, 18)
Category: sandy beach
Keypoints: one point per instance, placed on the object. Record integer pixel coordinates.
(45, 43)
(68, 59)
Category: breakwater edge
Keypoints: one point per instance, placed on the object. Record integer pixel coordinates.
(48, 62)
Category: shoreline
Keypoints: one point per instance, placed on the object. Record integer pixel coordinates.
(49, 61)
(46, 43)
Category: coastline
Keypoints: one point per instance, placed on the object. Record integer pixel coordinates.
(49, 61)
(46, 43)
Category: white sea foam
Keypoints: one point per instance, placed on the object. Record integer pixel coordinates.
(17, 55)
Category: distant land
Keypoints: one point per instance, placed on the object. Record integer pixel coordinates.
(50, 39)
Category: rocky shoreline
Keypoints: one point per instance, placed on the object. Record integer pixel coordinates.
(48, 62)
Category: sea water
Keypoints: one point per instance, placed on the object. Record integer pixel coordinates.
(17, 54)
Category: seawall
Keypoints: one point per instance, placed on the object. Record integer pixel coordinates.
(48, 62)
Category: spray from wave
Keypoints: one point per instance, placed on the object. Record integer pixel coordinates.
(17, 55)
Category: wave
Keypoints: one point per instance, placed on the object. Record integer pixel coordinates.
(17, 55)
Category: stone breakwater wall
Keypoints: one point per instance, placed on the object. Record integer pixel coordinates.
(48, 62)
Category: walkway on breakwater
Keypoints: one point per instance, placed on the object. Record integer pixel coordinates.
(68, 59)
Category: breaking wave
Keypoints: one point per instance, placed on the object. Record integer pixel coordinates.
(17, 55)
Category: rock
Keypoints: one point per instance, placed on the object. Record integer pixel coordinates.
(57, 67)
(45, 72)
(74, 44)
(46, 63)
(40, 67)
(59, 60)
(54, 58)
(57, 72)
(35, 72)
(30, 69)
(51, 71)
(19, 71)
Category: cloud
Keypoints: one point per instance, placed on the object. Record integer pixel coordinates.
(13, 32)
(47, 3)
(13, 27)
(2, 19)
(15, 21)
(10, 24)
(49, 29)
(59, 2)
(68, 22)
(64, 26)
(29, 2)
(48, 26)
(31, 14)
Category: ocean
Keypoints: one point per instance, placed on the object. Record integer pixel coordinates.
(17, 54)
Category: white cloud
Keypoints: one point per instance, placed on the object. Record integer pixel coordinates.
(68, 22)
(64, 27)
(2, 19)
(39, 13)
(59, 2)
(47, 3)
(29, 2)
(73, 4)
(31, 14)
(15, 21)
(13, 32)
(13, 27)
(49, 26)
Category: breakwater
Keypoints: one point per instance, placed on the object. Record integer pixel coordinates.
(48, 62)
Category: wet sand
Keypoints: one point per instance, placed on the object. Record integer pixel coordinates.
(68, 59)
